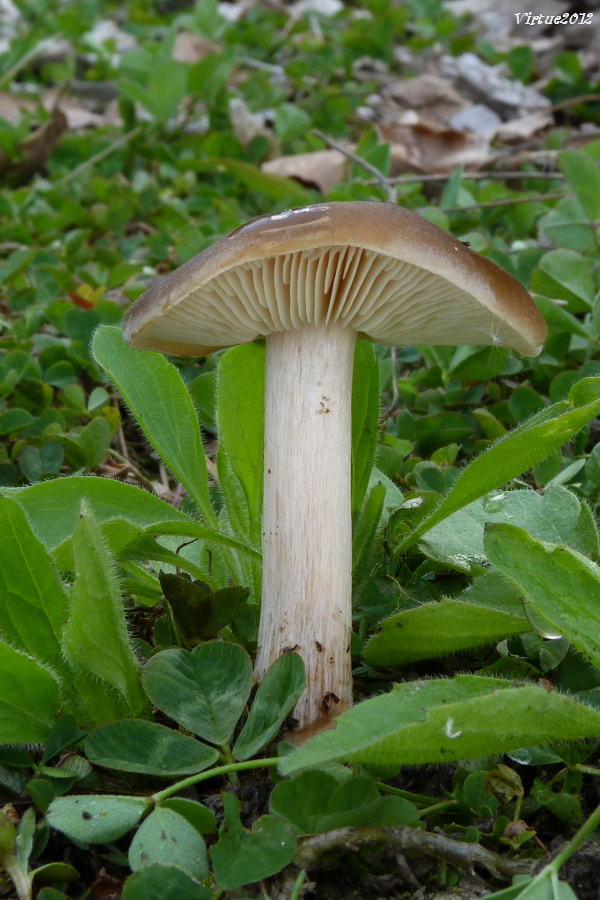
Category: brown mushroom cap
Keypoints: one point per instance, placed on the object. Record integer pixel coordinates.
(380, 269)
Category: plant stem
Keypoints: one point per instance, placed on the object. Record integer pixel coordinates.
(20, 879)
(91, 162)
(577, 840)
(299, 882)
(587, 770)
(406, 795)
(268, 763)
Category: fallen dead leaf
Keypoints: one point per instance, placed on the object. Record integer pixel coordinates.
(12, 107)
(524, 128)
(191, 48)
(248, 125)
(322, 168)
(429, 96)
(427, 148)
(78, 116)
(37, 147)
(106, 886)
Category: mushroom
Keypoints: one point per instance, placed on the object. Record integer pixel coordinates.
(311, 281)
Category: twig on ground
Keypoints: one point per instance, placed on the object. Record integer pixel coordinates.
(382, 179)
(508, 201)
(312, 850)
(492, 175)
(129, 466)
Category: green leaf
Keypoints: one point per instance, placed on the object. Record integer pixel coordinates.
(209, 76)
(123, 510)
(565, 275)
(33, 600)
(196, 814)
(12, 420)
(49, 893)
(139, 746)
(276, 187)
(558, 318)
(243, 857)
(445, 720)
(481, 364)
(200, 612)
(365, 531)
(96, 819)
(291, 121)
(315, 802)
(167, 84)
(569, 226)
(53, 507)
(166, 882)
(205, 690)
(25, 836)
(563, 805)
(277, 694)
(64, 734)
(163, 408)
(544, 886)
(562, 585)
(28, 698)
(167, 838)
(95, 440)
(96, 637)
(42, 792)
(36, 462)
(583, 176)
(557, 516)
(240, 413)
(592, 466)
(57, 871)
(365, 420)
(438, 629)
(516, 452)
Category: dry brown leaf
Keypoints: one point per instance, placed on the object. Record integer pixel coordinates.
(426, 94)
(191, 48)
(321, 168)
(78, 115)
(427, 148)
(247, 125)
(106, 886)
(36, 149)
(524, 128)
(12, 107)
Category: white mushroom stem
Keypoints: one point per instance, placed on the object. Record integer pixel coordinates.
(307, 524)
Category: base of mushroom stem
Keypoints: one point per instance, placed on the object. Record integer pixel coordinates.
(297, 738)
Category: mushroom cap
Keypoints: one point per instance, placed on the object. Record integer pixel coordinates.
(378, 268)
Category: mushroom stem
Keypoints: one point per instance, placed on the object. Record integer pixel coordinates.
(307, 523)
